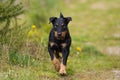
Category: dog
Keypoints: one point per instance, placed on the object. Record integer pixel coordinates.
(59, 42)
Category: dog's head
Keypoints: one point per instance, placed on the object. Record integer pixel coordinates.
(60, 25)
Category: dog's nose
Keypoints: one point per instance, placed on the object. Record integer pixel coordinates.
(59, 34)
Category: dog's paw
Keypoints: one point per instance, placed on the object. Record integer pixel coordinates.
(62, 72)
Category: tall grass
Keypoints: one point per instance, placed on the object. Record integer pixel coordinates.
(16, 46)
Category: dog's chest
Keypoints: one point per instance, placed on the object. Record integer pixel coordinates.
(60, 45)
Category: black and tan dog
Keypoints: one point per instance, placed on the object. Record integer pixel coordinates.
(59, 41)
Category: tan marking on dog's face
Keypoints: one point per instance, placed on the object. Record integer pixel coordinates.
(64, 34)
(63, 45)
(62, 69)
(56, 34)
(62, 24)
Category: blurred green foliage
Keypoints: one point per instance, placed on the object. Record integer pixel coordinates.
(38, 14)
(9, 10)
(16, 34)
(24, 50)
(16, 58)
(9, 28)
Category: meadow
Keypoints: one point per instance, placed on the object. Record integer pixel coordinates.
(95, 32)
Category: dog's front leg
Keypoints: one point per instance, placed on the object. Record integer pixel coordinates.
(65, 53)
(54, 56)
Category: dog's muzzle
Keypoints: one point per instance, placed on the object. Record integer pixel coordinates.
(59, 34)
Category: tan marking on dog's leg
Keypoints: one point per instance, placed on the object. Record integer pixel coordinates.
(60, 59)
(62, 69)
(56, 63)
(64, 45)
(52, 43)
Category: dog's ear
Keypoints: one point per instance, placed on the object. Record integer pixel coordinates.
(68, 19)
(52, 19)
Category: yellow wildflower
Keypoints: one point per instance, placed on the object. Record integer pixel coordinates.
(33, 27)
(33, 32)
(68, 61)
(33, 59)
(78, 49)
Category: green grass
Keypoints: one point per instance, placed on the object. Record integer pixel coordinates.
(88, 62)
(92, 29)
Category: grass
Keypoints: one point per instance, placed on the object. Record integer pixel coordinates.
(83, 65)
(92, 29)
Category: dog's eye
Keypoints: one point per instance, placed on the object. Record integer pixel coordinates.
(55, 26)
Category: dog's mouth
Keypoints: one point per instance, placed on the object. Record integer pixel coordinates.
(62, 36)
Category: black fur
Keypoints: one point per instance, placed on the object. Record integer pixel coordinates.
(60, 25)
